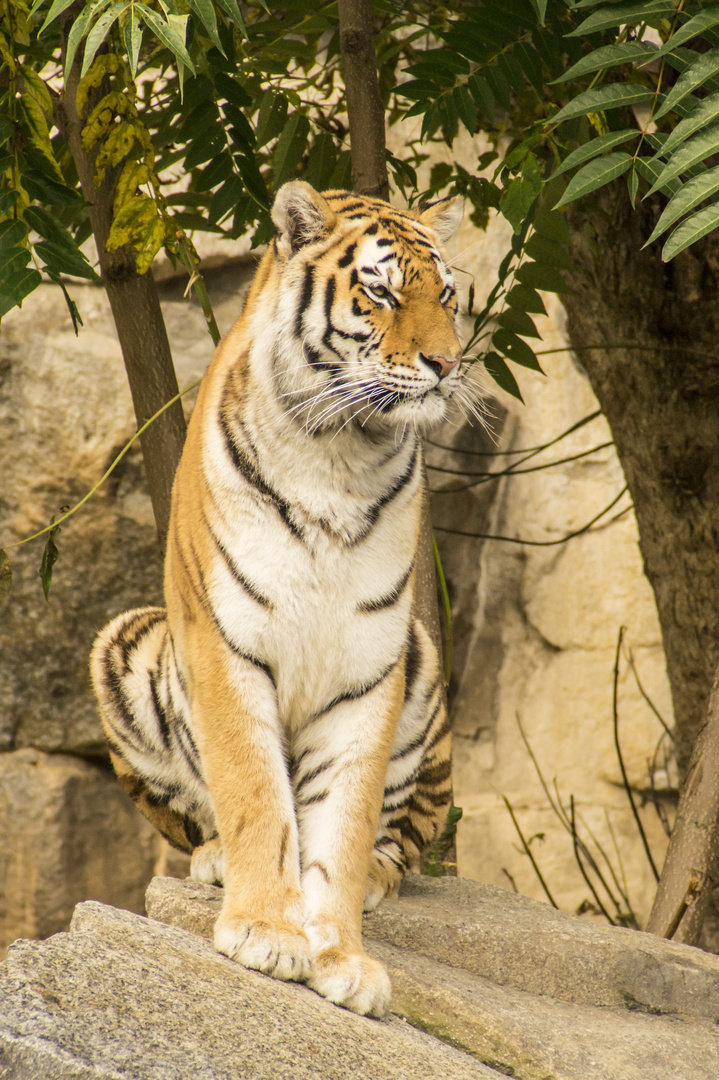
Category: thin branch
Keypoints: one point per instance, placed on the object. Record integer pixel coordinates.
(529, 853)
(511, 470)
(580, 864)
(650, 703)
(526, 449)
(625, 779)
(535, 543)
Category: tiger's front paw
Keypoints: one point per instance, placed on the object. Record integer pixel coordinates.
(208, 864)
(280, 949)
(354, 980)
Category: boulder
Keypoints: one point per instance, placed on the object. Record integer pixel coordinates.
(526, 989)
(121, 997)
(69, 832)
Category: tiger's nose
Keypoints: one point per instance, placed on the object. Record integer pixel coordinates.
(440, 365)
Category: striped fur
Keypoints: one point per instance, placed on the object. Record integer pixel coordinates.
(283, 719)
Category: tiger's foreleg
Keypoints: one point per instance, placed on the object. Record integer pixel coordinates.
(234, 707)
(341, 759)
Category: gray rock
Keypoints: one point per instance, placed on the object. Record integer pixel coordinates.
(126, 998)
(518, 942)
(69, 833)
(551, 1032)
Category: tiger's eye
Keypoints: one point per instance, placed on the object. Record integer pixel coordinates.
(379, 291)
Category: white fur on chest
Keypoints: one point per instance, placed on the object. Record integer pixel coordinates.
(347, 551)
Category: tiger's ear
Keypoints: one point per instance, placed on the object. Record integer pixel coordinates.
(444, 216)
(301, 216)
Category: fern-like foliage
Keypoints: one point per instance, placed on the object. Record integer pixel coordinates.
(576, 95)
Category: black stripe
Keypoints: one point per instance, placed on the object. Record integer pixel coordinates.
(355, 694)
(375, 509)
(313, 774)
(160, 716)
(390, 598)
(305, 297)
(312, 799)
(237, 574)
(419, 740)
(254, 660)
(147, 620)
(249, 471)
(413, 659)
(348, 256)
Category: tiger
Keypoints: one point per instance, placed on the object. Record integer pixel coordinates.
(283, 718)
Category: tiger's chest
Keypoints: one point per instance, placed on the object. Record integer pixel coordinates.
(314, 577)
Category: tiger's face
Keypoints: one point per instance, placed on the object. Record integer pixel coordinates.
(367, 311)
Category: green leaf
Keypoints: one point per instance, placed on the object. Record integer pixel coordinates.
(321, 162)
(61, 261)
(59, 248)
(703, 114)
(595, 147)
(521, 193)
(689, 195)
(132, 35)
(289, 147)
(481, 91)
(594, 175)
(5, 572)
(691, 230)
(56, 9)
(614, 96)
(12, 260)
(650, 168)
(205, 11)
(526, 298)
(689, 153)
(549, 252)
(518, 322)
(42, 187)
(78, 30)
(99, 32)
(540, 8)
(546, 278)
(49, 558)
(271, 117)
(499, 371)
(697, 25)
(632, 12)
(627, 52)
(230, 6)
(694, 76)
(508, 344)
(8, 198)
(172, 33)
(36, 86)
(467, 110)
(633, 186)
(252, 178)
(7, 128)
(17, 287)
(11, 233)
(231, 89)
(225, 199)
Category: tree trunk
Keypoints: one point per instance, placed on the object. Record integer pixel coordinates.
(365, 111)
(660, 395)
(138, 318)
(690, 875)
